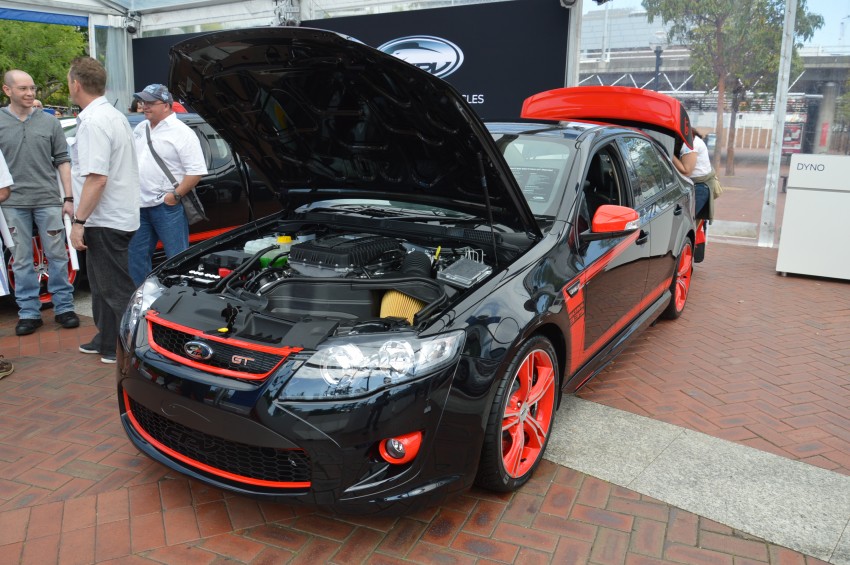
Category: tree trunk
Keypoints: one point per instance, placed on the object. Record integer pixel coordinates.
(718, 128)
(730, 152)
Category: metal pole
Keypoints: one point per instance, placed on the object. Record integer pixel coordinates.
(658, 51)
(571, 73)
(767, 231)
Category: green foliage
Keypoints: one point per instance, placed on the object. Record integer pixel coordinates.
(45, 51)
(737, 40)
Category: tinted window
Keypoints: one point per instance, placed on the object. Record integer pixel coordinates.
(650, 174)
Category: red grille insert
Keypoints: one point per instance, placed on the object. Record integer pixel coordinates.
(229, 357)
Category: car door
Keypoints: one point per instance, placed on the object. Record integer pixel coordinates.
(658, 199)
(614, 270)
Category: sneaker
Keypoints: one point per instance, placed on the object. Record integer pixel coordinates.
(67, 320)
(108, 359)
(6, 367)
(27, 326)
(89, 348)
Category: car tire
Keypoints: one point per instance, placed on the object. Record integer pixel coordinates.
(521, 418)
(681, 285)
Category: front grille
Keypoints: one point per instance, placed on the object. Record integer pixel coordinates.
(252, 462)
(249, 361)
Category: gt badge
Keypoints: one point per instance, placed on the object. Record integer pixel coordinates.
(240, 360)
(197, 350)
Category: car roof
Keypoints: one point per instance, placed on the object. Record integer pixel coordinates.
(563, 130)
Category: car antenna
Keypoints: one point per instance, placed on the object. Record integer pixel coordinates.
(489, 207)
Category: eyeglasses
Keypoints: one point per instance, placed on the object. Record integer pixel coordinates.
(147, 104)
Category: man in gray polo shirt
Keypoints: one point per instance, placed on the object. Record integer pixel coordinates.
(35, 148)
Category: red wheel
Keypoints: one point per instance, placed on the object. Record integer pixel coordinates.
(681, 285)
(40, 265)
(521, 418)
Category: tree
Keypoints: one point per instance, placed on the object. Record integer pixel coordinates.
(45, 51)
(732, 43)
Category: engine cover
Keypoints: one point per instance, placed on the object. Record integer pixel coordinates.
(340, 255)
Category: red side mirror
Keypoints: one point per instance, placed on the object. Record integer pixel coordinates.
(609, 218)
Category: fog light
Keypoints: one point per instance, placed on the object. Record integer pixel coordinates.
(401, 449)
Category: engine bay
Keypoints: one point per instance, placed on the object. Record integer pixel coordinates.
(296, 284)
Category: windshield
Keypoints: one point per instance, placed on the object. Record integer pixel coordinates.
(540, 168)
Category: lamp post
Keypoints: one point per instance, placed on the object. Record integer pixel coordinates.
(658, 51)
(657, 43)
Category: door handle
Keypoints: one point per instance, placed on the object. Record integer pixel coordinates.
(678, 210)
(643, 237)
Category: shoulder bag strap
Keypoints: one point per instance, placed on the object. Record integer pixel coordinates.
(158, 159)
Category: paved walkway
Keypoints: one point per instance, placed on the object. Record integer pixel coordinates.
(754, 375)
(757, 359)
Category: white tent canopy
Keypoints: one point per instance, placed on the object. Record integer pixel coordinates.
(113, 23)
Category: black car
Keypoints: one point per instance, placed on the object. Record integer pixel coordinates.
(407, 325)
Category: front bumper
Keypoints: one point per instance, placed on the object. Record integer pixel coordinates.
(237, 436)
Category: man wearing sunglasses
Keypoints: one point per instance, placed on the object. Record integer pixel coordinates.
(163, 142)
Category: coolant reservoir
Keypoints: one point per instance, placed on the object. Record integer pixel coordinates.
(284, 242)
(256, 245)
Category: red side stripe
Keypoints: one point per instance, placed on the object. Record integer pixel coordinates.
(202, 235)
(575, 304)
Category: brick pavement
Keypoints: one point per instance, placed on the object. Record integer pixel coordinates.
(756, 358)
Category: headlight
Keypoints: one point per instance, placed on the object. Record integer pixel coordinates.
(139, 303)
(358, 365)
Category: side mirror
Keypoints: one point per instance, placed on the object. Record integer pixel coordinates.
(611, 221)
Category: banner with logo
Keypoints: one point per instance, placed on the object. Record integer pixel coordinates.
(494, 54)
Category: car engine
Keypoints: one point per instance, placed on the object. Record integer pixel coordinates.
(358, 280)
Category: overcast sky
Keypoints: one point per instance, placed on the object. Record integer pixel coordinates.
(833, 12)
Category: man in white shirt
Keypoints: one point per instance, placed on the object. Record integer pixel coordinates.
(106, 196)
(179, 149)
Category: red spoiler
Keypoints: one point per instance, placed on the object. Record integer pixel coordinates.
(620, 105)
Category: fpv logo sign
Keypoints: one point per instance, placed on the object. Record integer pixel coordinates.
(438, 56)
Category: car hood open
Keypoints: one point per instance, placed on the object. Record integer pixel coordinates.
(321, 116)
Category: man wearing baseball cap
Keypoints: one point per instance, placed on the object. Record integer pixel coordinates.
(178, 149)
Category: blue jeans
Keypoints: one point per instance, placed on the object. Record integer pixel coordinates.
(51, 232)
(158, 223)
(701, 197)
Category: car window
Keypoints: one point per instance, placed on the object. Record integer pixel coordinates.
(648, 170)
(216, 149)
(601, 185)
(539, 166)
